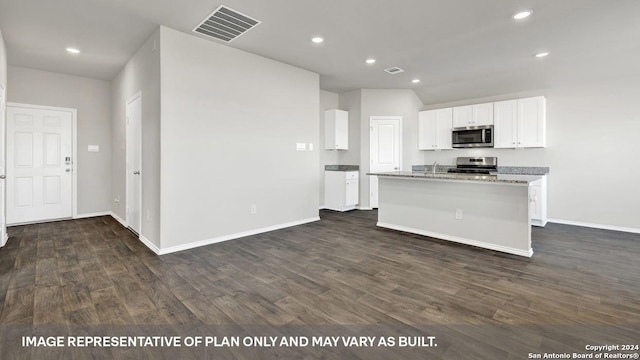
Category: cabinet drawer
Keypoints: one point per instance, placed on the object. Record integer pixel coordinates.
(351, 175)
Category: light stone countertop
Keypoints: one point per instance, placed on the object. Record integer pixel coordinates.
(493, 178)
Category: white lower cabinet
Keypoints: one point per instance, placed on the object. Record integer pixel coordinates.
(538, 202)
(340, 190)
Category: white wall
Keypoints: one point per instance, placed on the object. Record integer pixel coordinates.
(351, 101)
(328, 100)
(91, 98)
(388, 102)
(592, 150)
(230, 124)
(141, 73)
(362, 105)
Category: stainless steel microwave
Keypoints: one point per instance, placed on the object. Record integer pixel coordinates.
(472, 136)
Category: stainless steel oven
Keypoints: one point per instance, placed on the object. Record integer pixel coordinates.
(472, 136)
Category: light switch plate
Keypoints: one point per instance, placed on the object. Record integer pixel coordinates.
(301, 147)
(93, 148)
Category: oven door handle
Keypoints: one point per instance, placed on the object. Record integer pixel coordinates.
(484, 134)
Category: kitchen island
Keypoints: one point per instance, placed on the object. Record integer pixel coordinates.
(488, 211)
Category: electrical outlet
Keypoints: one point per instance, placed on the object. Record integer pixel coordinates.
(458, 214)
(254, 209)
(117, 200)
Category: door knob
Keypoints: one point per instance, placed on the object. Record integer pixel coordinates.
(2, 177)
(137, 172)
(67, 170)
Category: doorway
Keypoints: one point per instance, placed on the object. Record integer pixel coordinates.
(134, 163)
(385, 150)
(41, 171)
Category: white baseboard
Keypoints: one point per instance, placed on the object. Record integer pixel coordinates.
(95, 214)
(4, 240)
(150, 245)
(118, 219)
(595, 226)
(480, 244)
(322, 207)
(200, 243)
(364, 208)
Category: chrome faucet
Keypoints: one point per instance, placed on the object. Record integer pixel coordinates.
(433, 169)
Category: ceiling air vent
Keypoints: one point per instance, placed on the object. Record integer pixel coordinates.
(393, 70)
(225, 24)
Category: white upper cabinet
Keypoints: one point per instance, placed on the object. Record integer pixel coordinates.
(473, 115)
(434, 129)
(520, 123)
(336, 130)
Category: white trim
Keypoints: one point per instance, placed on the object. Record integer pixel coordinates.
(477, 243)
(74, 148)
(90, 215)
(595, 226)
(364, 207)
(321, 207)
(200, 243)
(150, 245)
(118, 218)
(3, 163)
(127, 150)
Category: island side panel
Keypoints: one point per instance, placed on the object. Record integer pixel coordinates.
(494, 216)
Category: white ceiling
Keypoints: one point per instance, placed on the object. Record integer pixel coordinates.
(460, 49)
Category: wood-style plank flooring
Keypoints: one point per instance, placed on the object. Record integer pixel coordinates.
(342, 270)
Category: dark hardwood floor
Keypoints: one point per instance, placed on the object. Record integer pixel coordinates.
(342, 270)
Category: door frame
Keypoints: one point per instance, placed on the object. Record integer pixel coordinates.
(74, 148)
(371, 120)
(128, 183)
(3, 124)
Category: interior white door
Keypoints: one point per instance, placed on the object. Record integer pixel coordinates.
(134, 163)
(39, 164)
(3, 203)
(385, 151)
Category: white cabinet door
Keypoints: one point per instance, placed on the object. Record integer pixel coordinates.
(351, 192)
(463, 116)
(444, 123)
(434, 129)
(336, 131)
(473, 115)
(538, 202)
(532, 122)
(505, 127)
(482, 114)
(427, 130)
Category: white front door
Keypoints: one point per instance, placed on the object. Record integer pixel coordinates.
(3, 203)
(39, 164)
(134, 160)
(385, 150)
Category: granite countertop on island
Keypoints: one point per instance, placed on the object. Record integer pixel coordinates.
(510, 170)
(492, 178)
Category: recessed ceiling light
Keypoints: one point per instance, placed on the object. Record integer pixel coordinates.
(73, 50)
(317, 39)
(415, 81)
(523, 14)
(542, 54)
(370, 61)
